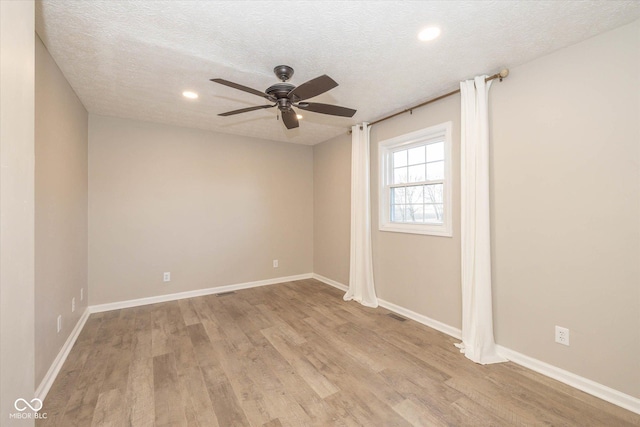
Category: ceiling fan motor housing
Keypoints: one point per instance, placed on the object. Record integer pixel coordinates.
(279, 91)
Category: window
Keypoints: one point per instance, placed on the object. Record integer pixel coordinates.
(415, 182)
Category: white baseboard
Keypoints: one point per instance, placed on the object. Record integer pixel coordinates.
(331, 282)
(196, 293)
(432, 323)
(588, 386)
(54, 369)
(576, 381)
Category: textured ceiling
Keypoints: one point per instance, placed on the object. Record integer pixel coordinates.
(134, 59)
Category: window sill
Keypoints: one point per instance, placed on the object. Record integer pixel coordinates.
(430, 230)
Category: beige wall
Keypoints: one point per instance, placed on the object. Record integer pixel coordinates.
(421, 273)
(210, 208)
(61, 145)
(418, 272)
(566, 208)
(16, 206)
(332, 207)
(565, 212)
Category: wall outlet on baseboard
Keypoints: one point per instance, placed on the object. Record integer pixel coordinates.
(562, 335)
(166, 277)
(59, 325)
(275, 263)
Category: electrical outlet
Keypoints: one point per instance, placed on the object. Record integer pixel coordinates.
(59, 326)
(166, 277)
(81, 294)
(275, 263)
(73, 304)
(562, 335)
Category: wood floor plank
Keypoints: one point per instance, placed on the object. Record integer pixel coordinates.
(194, 393)
(360, 405)
(295, 354)
(159, 331)
(107, 412)
(341, 370)
(82, 399)
(166, 392)
(502, 403)
(297, 403)
(417, 415)
(225, 403)
(273, 423)
(208, 319)
(139, 395)
(189, 313)
(117, 369)
(361, 355)
(300, 364)
(466, 412)
(231, 331)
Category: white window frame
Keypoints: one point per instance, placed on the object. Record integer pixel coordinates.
(386, 149)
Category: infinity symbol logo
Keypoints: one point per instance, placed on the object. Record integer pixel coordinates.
(20, 404)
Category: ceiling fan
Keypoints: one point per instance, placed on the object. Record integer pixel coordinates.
(286, 96)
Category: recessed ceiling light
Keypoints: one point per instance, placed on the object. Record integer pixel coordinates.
(190, 95)
(429, 33)
(299, 116)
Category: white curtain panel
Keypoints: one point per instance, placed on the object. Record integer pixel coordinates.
(361, 285)
(477, 314)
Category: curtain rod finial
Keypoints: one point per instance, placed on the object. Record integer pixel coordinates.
(504, 73)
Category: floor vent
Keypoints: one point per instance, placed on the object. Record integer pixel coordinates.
(224, 294)
(395, 316)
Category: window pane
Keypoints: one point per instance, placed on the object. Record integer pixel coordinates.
(400, 158)
(397, 213)
(439, 212)
(416, 173)
(400, 175)
(433, 193)
(435, 170)
(416, 155)
(398, 196)
(415, 194)
(414, 213)
(435, 152)
(433, 215)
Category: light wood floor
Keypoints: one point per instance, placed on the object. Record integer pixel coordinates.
(295, 354)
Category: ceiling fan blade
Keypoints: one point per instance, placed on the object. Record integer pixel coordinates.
(240, 87)
(290, 119)
(313, 87)
(245, 110)
(334, 110)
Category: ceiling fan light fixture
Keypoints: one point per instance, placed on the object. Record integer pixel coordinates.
(429, 33)
(189, 94)
(299, 116)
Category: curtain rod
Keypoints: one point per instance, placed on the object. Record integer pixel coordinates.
(501, 75)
